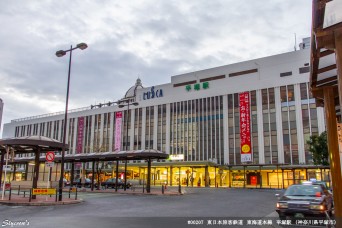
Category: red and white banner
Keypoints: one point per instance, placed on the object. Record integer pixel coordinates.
(80, 130)
(245, 130)
(118, 123)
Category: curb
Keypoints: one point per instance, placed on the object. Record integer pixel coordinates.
(40, 203)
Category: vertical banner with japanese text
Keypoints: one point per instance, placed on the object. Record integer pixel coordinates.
(80, 130)
(245, 131)
(118, 123)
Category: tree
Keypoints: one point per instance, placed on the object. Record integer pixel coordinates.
(318, 146)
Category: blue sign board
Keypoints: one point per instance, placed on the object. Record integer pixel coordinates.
(153, 93)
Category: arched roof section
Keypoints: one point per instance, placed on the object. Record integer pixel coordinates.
(131, 92)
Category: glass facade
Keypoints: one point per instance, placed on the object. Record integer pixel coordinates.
(196, 128)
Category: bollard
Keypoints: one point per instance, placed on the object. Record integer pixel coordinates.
(10, 193)
(30, 195)
(18, 190)
(76, 194)
(165, 186)
(69, 192)
(162, 189)
(56, 195)
(143, 188)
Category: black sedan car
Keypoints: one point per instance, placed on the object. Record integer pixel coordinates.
(111, 182)
(305, 201)
(86, 183)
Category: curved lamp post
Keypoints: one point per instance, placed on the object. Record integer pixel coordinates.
(61, 53)
(128, 102)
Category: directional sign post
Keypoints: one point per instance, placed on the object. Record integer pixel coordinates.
(49, 164)
(50, 157)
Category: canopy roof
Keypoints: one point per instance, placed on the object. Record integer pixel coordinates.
(29, 144)
(104, 156)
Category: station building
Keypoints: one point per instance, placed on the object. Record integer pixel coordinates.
(239, 125)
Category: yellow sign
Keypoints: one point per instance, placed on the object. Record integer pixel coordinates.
(43, 191)
(246, 148)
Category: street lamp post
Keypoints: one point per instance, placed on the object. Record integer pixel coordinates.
(61, 53)
(128, 102)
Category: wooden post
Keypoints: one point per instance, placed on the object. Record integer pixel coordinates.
(335, 166)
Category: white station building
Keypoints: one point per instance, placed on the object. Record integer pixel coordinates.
(213, 136)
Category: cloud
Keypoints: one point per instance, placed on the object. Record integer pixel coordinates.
(149, 39)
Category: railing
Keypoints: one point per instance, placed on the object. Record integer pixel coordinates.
(50, 114)
(30, 192)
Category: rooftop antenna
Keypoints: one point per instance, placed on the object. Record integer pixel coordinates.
(295, 46)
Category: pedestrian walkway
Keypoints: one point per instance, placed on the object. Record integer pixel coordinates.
(137, 190)
(20, 200)
(72, 197)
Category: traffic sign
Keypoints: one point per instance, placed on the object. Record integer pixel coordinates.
(50, 156)
(49, 164)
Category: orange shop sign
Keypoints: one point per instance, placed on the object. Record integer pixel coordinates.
(43, 191)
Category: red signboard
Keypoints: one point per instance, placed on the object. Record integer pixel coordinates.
(118, 123)
(245, 130)
(80, 130)
(254, 180)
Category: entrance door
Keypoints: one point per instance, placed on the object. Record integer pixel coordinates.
(288, 178)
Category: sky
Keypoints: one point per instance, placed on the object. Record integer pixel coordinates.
(149, 39)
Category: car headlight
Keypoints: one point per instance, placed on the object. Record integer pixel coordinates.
(281, 205)
(317, 207)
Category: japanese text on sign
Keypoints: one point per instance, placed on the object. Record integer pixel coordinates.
(245, 131)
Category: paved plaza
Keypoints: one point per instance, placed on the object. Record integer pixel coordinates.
(197, 207)
(147, 210)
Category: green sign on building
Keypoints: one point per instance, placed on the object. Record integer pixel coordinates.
(197, 86)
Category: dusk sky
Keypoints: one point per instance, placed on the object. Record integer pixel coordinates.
(149, 39)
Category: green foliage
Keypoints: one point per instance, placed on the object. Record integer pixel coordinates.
(318, 146)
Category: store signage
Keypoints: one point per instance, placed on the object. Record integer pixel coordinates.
(197, 86)
(7, 167)
(118, 123)
(79, 145)
(153, 93)
(173, 157)
(80, 130)
(43, 191)
(245, 130)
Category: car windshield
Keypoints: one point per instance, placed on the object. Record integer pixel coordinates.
(304, 190)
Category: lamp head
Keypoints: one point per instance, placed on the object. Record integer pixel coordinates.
(121, 105)
(135, 103)
(60, 53)
(82, 46)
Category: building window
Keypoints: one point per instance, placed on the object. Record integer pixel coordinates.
(213, 78)
(303, 70)
(286, 74)
(243, 72)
